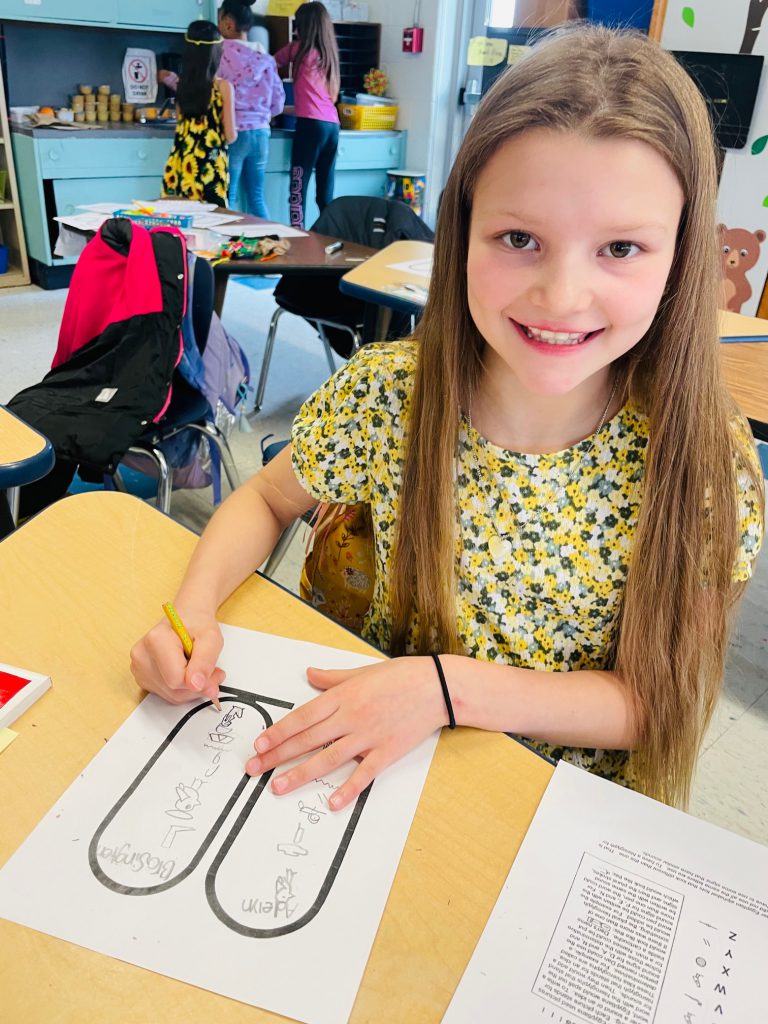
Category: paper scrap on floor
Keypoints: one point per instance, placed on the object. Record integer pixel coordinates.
(619, 908)
(259, 230)
(282, 895)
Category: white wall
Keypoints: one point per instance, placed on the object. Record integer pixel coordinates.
(719, 27)
(423, 83)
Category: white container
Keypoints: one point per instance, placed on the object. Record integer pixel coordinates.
(365, 99)
(19, 114)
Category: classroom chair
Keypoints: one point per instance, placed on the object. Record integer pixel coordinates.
(338, 319)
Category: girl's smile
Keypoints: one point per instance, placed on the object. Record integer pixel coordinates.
(554, 340)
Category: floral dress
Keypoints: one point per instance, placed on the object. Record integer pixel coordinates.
(198, 166)
(545, 540)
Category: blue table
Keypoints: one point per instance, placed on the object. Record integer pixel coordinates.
(25, 456)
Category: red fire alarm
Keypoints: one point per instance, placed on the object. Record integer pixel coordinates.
(413, 39)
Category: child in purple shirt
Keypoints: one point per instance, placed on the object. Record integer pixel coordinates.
(259, 96)
(315, 59)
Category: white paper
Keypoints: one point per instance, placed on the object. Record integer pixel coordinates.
(259, 230)
(68, 242)
(83, 221)
(272, 901)
(422, 268)
(621, 910)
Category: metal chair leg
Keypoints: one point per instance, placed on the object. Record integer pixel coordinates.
(327, 347)
(164, 481)
(213, 433)
(267, 358)
(280, 548)
(13, 494)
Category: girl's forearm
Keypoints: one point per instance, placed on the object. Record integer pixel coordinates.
(236, 541)
(576, 709)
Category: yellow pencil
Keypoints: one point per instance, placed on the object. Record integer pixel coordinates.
(186, 640)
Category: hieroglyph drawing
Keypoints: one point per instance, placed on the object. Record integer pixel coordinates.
(275, 865)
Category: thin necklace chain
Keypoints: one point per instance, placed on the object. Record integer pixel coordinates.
(499, 545)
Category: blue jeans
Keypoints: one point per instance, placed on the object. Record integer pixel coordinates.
(248, 160)
(314, 149)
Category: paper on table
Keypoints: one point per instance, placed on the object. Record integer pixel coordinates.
(7, 736)
(281, 889)
(83, 221)
(257, 230)
(202, 215)
(620, 909)
(422, 268)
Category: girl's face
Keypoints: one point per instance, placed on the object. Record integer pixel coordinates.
(570, 245)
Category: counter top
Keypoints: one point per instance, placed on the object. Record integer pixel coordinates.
(115, 130)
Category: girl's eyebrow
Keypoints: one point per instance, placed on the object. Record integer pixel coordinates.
(529, 221)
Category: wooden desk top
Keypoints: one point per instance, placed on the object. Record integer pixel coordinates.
(307, 252)
(745, 366)
(25, 455)
(734, 325)
(375, 280)
(78, 584)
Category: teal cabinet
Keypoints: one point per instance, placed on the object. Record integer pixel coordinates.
(154, 14)
(75, 11)
(174, 14)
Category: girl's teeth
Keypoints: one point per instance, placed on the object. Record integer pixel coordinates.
(554, 337)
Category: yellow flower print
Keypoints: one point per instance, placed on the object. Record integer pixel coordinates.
(189, 166)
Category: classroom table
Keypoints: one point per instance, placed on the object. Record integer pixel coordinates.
(78, 584)
(744, 355)
(25, 456)
(378, 281)
(307, 253)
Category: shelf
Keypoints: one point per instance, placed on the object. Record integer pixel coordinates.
(14, 278)
(7, 206)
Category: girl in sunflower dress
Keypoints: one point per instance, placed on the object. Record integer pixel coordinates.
(198, 165)
(565, 502)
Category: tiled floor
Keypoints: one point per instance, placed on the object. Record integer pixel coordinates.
(731, 787)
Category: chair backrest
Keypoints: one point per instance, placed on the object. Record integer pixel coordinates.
(372, 221)
(97, 402)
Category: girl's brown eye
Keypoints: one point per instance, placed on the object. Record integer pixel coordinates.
(519, 239)
(620, 249)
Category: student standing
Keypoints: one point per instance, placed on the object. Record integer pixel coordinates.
(259, 96)
(315, 58)
(565, 502)
(197, 167)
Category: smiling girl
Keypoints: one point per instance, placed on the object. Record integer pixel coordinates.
(565, 502)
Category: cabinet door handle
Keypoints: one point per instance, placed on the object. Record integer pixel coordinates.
(141, 154)
(53, 154)
(342, 151)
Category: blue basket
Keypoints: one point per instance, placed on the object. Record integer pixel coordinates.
(157, 220)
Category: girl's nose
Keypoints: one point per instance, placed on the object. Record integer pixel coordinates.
(562, 287)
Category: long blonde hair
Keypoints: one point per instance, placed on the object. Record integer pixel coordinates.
(672, 631)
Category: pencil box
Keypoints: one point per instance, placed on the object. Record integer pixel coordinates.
(157, 220)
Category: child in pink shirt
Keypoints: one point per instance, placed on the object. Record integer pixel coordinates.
(315, 59)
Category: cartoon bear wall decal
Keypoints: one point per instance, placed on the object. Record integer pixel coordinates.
(739, 251)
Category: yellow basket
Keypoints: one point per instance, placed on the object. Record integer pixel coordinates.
(365, 118)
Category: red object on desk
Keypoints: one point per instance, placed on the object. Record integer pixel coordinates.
(10, 686)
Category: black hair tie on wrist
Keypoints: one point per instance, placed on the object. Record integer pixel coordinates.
(446, 695)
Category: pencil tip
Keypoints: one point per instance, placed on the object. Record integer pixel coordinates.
(216, 704)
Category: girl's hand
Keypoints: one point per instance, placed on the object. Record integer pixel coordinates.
(374, 714)
(159, 666)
